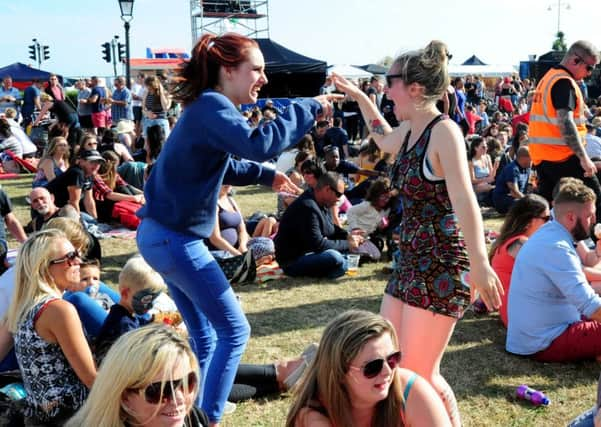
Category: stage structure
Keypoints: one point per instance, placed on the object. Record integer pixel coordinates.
(249, 18)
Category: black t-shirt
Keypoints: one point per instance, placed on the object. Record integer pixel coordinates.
(563, 95)
(73, 177)
(61, 110)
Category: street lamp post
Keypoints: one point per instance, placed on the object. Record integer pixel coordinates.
(559, 5)
(127, 8)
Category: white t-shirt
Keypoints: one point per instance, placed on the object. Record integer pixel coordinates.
(286, 160)
(138, 90)
(7, 284)
(593, 146)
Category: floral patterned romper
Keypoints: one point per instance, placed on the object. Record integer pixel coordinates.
(431, 273)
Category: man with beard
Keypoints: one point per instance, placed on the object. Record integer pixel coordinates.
(554, 314)
(42, 204)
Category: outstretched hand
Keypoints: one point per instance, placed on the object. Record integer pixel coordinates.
(326, 103)
(281, 183)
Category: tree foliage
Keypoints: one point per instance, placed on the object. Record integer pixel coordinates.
(559, 44)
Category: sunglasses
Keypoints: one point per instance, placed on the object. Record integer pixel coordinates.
(545, 218)
(69, 258)
(336, 192)
(579, 60)
(160, 391)
(373, 368)
(389, 78)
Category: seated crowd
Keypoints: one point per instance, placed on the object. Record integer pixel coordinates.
(342, 203)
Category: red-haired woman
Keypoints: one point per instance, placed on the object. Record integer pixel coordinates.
(182, 190)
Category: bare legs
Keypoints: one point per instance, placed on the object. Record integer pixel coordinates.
(423, 346)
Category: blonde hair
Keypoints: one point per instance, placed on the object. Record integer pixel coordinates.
(137, 275)
(44, 97)
(157, 350)
(341, 342)
(51, 149)
(427, 67)
(74, 232)
(33, 281)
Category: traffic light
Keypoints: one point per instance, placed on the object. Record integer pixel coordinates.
(45, 53)
(106, 51)
(121, 52)
(32, 52)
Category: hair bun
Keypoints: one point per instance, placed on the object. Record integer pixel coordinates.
(436, 50)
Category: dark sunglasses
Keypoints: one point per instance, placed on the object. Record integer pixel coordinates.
(160, 391)
(389, 78)
(579, 60)
(545, 218)
(69, 258)
(336, 192)
(373, 368)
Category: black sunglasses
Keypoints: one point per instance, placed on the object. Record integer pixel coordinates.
(545, 218)
(160, 391)
(336, 192)
(579, 60)
(69, 258)
(373, 368)
(389, 78)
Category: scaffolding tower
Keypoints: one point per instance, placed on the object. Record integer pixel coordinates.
(249, 18)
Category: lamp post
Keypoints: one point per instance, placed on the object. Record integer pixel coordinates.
(559, 5)
(127, 9)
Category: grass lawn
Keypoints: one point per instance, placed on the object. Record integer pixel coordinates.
(287, 315)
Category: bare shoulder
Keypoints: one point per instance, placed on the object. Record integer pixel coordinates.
(308, 417)
(59, 308)
(447, 134)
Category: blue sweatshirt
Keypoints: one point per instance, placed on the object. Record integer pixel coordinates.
(182, 190)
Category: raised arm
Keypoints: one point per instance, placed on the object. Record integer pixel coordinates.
(378, 127)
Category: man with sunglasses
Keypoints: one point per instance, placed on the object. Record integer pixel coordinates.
(557, 122)
(308, 243)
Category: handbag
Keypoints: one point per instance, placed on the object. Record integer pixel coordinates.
(239, 268)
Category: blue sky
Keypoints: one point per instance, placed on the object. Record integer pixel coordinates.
(336, 31)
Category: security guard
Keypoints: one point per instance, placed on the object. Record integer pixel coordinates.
(558, 122)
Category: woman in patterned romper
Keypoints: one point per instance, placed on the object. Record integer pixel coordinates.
(429, 290)
(53, 355)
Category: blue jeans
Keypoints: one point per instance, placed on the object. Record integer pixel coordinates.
(216, 324)
(586, 419)
(9, 363)
(92, 315)
(329, 263)
(164, 123)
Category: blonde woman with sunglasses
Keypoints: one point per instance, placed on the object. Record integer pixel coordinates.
(155, 387)
(355, 380)
(54, 358)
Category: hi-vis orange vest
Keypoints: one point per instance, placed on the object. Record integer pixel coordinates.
(545, 141)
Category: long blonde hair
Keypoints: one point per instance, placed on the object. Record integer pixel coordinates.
(51, 149)
(132, 362)
(33, 280)
(341, 342)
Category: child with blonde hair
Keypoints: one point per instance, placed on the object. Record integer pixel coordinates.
(139, 286)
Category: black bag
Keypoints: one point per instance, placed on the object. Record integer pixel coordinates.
(239, 268)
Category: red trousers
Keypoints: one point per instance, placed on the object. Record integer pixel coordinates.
(581, 340)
